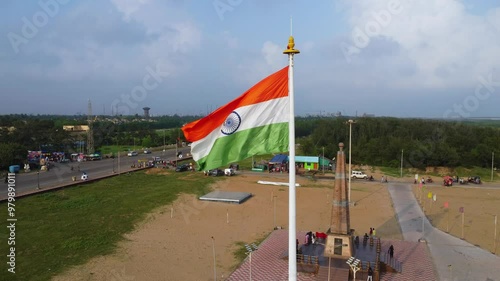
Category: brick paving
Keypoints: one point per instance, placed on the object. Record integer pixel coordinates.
(416, 261)
(268, 264)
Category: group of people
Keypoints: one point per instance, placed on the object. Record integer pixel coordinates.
(372, 231)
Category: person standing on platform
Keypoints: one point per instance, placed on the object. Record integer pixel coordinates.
(391, 251)
(370, 273)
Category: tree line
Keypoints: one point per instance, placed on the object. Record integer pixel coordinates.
(20, 133)
(381, 141)
(375, 141)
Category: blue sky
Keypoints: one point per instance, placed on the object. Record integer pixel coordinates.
(413, 58)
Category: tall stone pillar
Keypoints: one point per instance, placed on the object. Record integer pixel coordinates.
(339, 241)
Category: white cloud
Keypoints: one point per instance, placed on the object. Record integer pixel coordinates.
(493, 18)
(449, 46)
(258, 65)
(271, 53)
(100, 45)
(128, 7)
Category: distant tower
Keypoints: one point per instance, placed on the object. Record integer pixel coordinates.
(146, 111)
(90, 133)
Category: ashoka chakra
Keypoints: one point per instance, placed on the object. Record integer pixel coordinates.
(231, 124)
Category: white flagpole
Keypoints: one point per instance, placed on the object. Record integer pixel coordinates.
(292, 229)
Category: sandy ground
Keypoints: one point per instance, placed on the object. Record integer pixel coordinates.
(175, 242)
(179, 247)
(480, 207)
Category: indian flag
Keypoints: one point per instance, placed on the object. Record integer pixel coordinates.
(254, 123)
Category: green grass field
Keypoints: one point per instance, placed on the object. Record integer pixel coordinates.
(64, 228)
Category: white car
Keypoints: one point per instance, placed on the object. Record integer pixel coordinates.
(132, 153)
(358, 175)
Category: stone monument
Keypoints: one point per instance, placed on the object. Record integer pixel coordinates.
(339, 243)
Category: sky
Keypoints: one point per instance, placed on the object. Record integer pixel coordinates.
(406, 58)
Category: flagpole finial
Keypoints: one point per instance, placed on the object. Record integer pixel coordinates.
(290, 47)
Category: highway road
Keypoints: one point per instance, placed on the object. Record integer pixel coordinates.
(62, 174)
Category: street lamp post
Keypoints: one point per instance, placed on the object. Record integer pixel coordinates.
(323, 160)
(163, 142)
(274, 211)
(495, 237)
(492, 163)
(354, 264)
(215, 266)
(401, 172)
(350, 122)
(249, 253)
(119, 170)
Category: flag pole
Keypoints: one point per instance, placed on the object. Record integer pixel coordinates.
(292, 231)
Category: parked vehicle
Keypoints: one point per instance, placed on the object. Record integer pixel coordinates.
(448, 181)
(14, 168)
(475, 179)
(93, 157)
(182, 168)
(216, 172)
(358, 175)
(229, 172)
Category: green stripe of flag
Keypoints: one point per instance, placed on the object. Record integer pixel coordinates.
(242, 145)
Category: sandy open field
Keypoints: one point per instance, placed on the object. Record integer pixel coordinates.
(175, 242)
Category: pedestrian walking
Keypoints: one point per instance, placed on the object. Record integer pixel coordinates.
(374, 233)
(370, 273)
(391, 251)
(371, 231)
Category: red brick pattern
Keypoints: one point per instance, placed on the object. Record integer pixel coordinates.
(267, 264)
(416, 261)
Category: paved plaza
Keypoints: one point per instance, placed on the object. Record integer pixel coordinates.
(426, 254)
(268, 263)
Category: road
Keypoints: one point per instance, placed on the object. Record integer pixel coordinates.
(454, 259)
(62, 174)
